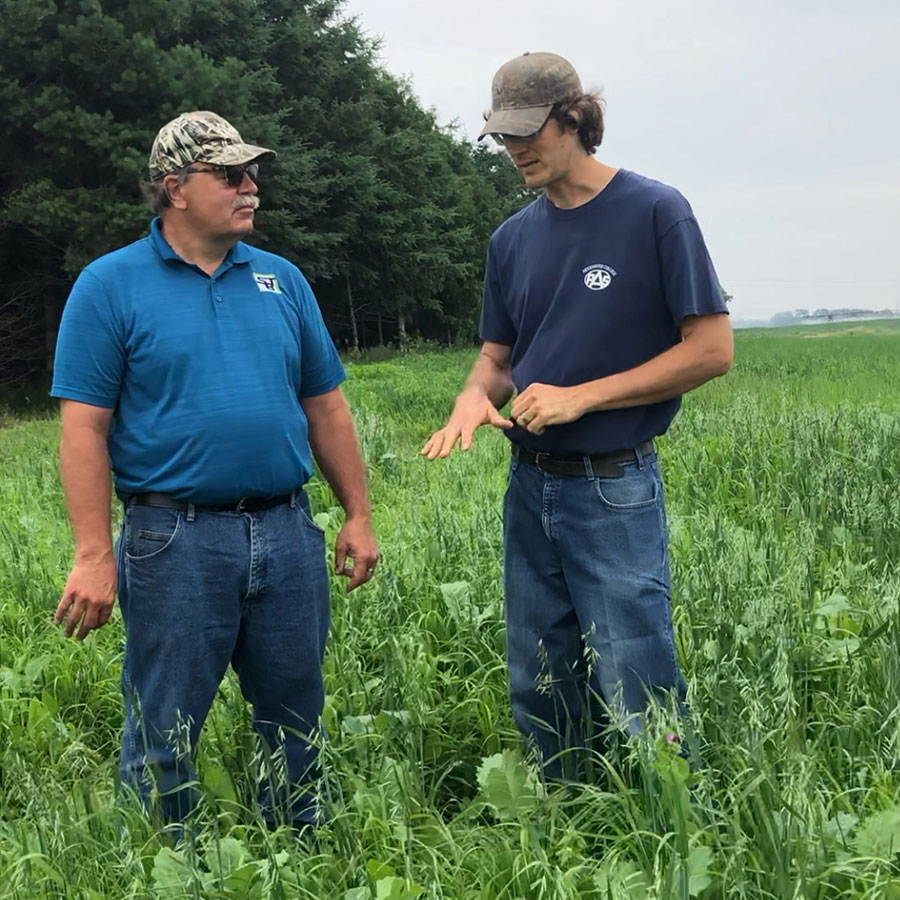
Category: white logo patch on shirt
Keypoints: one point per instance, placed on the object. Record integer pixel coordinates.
(266, 283)
(598, 276)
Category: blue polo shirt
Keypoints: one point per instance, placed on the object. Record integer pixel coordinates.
(587, 292)
(205, 374)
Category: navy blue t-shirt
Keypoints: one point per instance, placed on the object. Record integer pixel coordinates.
(587, 292)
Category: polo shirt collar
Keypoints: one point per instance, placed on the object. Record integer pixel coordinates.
(239, 253)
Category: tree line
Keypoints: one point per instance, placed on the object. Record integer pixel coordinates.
(387, 213)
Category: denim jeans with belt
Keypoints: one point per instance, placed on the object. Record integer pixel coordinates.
(587, 604)
(199, 590)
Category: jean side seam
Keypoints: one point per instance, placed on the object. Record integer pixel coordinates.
(664, 540)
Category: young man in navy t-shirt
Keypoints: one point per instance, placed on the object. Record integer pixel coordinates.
(601, 308)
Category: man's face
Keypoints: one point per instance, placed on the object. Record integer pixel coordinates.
(220, 201)
(544, 157)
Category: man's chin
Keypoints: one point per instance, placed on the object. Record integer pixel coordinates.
(244, 224)
(535, 176)
(536, 180)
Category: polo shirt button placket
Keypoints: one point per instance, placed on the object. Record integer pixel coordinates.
(215, 291)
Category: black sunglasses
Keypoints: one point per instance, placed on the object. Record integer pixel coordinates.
(502, 139)
(233, 175)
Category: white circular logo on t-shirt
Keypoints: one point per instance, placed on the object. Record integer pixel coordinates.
(597, 279)
(598, 276)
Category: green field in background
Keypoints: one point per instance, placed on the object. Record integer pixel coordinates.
(784, 510)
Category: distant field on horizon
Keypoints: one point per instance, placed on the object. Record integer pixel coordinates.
(852, 326)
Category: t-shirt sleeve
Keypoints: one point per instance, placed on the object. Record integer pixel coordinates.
(495, 325)
(90, 348)
(320, 366)
(690, 283)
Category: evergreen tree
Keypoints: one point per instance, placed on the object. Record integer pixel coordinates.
(386, 213)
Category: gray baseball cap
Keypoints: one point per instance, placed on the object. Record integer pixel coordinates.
(524, 91)
(200, 136)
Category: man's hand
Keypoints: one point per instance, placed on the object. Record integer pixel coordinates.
(472, 410)
(88, 597)
(357, 542)
(540, 405)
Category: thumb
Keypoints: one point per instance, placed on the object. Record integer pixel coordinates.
(497, 420)
(340, 555)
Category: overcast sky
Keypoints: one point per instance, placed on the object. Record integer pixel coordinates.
(778, 121)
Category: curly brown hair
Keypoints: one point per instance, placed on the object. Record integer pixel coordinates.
(584, 113)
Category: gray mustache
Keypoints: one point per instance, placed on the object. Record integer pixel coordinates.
(252, 202)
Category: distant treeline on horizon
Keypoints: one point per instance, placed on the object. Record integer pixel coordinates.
(814, 317)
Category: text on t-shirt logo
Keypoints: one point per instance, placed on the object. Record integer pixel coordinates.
(268, 283)
(598, 276)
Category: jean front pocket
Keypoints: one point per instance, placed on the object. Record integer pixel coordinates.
(638, 487)
(304, 510)
(150, 530)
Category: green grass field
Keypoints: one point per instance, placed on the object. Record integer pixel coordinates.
(784, 508)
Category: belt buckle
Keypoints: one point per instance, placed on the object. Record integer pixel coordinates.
(240, 505)
(537, 460)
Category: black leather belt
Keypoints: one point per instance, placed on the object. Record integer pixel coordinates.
(245, 504)
(605, 465)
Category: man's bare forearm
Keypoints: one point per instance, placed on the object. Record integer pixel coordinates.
(491, 378)
(332, 438)
(705, 353)
(84, 467)
(673, 373)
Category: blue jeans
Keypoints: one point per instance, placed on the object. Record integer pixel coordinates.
(589, 627)
(199, 590)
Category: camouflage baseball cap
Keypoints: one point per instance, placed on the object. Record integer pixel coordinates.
(200, 136)
(524, 91)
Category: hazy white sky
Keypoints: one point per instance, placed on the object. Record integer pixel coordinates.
(778, 120)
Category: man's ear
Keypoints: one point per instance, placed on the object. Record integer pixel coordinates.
(174, 190)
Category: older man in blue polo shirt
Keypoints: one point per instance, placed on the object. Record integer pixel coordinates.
(601, 308)
(199, 369)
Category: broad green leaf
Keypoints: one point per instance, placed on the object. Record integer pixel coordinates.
(879, 835)
(840, 827)
(386, 716)
(377, 869)
(50, 703)
(358, 724)
(225, 856)
(621, 880)
(218, 782)
(10, 680)
(839, 649)
(358, 893)
(699, 862)
(34, 667)
(244, 881)
(508, 785)
(458, 598)
(38, 717)
(170, 870)
(833, 606)
(394, 888)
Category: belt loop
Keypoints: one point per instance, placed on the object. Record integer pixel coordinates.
(191, 512)
(639, 456)
(293, 499)
(588, 467)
